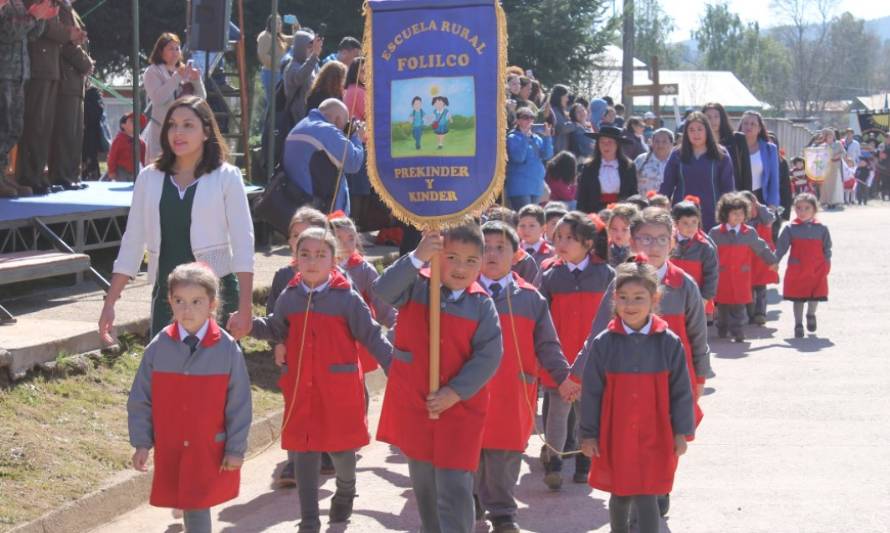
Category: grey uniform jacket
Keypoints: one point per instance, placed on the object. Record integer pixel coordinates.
(363, 275)
(337, 299)
(527, 267)
(679, 297)
(806, 230)
(619, 353)
(169, 355)
(402, 285)
(700, 249)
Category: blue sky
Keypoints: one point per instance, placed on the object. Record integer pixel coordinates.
(686, 13)
(459, 91)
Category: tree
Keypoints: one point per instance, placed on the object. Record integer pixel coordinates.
(557, 38)
(653, 27)
(850, 44)
(720, 35)
(109, 25)
(762, 64)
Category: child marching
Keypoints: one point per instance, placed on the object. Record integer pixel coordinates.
(635, 370)
(573, 284)
(531, 233)
(443, 452)
(737, 245)
(694, 252)
(190, 401)
(806, 278)
(761, 219)
(322, 319)
(530, 345)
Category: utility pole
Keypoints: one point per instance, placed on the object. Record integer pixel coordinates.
(627, 66)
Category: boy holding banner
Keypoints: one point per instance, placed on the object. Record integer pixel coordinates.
(441, 433)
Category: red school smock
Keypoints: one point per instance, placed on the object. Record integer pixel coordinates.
(736, 252)
(470, 330)
(193, 408)
(762, 222)
(362, 274)
(635, 397)
(325, 410)
(530, 346)
(806, 277)
(698, 258)
(574, 301)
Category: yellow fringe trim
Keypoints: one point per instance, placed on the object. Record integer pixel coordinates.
(497, 183)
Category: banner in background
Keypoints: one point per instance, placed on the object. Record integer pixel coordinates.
(434, 72)
(817, 161)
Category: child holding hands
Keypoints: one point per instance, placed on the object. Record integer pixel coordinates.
(190, 401)
(635, 371)
(441, 432)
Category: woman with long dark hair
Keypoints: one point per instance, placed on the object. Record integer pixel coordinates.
(633, 132)
(559, 117)
(734, 143)
(579, 143)
(165, 80)
(763, 159)
(609, 176)
(701, 167)
(189, 205)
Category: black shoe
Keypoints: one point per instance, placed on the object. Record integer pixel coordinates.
(68, 186)
(82, 185)
(56, 188)
(504, 524)
(811, 323)
(309, 526)
(40, 190)
(759, 319)
(327, 465)
(553, 480)
(664, 504)
(287, 477)
(341, 507)
(798, 331)
(477, 506)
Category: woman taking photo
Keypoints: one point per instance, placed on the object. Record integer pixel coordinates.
(165, 80)
(526, 153)
(188, 206)
(559, 117)
(633, 132)
(610, 176)
(651, 165)
(579, 143)
(700, 167)
(734, 143)
(763, 159)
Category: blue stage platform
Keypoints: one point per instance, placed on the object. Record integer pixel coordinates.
(86, 219)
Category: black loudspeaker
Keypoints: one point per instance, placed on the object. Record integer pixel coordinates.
(209, 25)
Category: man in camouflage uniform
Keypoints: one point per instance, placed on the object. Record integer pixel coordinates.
(18, 24)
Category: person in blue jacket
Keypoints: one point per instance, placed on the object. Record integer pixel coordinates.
(526, 154)
(317, 148)
(764, 159)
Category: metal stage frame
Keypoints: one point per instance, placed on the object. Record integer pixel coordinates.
(83, 232)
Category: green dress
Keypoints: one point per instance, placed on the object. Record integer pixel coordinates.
(176, 249)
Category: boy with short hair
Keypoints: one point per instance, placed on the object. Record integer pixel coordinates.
(553, 211)
(530, 343)
(443, 452)
(694, 252)
(531, 233)
(120, 156)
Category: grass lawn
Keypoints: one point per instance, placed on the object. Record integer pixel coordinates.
(61, 436)
(457, 143)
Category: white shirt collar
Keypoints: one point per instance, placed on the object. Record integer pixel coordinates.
(504, 282)
(662, 271)
(318, 288)
(580, 266)
(183, 333)
(536, 246)
(454, 294)
(737, 229)
(644, 330)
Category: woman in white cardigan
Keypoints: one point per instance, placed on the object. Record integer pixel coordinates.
(164, 81)
(190, 205)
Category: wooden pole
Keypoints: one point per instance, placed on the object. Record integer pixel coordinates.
(243, 90)
(435, 323)
(656, 92)
(137, 155)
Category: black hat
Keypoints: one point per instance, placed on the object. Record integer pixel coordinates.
(611, 132)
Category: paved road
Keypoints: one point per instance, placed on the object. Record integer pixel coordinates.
(796, 435)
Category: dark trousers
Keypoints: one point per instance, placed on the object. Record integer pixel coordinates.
(495, 482)
(307, 465)
(197, 520)
(40, 115)
(66, 147)
(732, 317)
(647, 513)
(12, 98)
(444, 497)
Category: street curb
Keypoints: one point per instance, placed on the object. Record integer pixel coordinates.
(129, 489)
